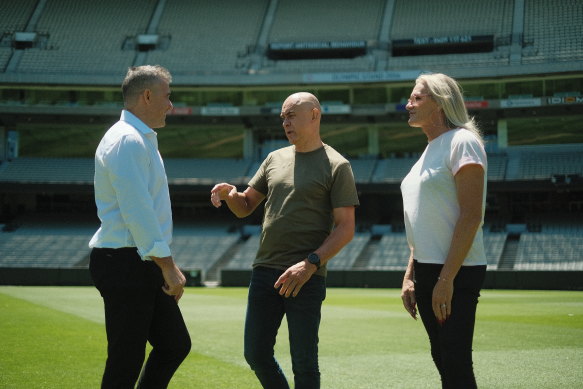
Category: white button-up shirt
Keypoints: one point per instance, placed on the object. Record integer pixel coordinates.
(131, 190)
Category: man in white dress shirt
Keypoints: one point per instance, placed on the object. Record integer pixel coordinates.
(131, 263)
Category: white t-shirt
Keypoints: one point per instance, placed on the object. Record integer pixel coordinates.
(430, 201)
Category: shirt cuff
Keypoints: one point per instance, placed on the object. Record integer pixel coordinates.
(160, 250)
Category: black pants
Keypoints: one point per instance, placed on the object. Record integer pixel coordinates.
(137, 311)
(451, 344)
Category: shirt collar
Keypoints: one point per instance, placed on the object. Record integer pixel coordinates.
(132, 119)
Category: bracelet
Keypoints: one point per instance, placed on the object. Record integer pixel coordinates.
(441, 279)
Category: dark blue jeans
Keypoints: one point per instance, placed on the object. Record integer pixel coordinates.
(137, 311)
(451, 344)
(265, 311)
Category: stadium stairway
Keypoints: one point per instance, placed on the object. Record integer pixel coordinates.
(509, 252)
(213, 275)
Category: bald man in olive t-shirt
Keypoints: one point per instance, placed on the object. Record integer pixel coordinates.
(309, 216)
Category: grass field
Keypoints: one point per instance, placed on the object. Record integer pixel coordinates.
(54, 337)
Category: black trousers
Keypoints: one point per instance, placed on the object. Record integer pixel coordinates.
(137, 311)
(451, 344)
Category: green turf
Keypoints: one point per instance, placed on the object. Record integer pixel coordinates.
(53, 337)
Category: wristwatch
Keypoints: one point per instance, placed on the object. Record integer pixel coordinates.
(314, 259)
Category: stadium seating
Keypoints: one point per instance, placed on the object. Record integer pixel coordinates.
(77, 43)
(199, 249)
(207, 171)
(392, 253)
(552, 34)
(346, 258)
(243, 259)
(5, 53)
(494, 245)
(48, 170)
(549, 251)
(326, 20)
(46, 244)
(392, 169)
(427, 18)
(541, 163)
(14, 19)
(497, 166)
(81, 170)
(363, 169)
(93, 39)
(518, 163)
(440, 19)
(207, 38)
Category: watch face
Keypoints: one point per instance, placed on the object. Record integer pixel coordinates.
(313, 258)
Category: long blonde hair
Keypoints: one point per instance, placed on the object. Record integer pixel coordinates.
(448, 95)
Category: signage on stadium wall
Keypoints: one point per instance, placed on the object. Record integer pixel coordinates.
(330, 109)
(406, 75)
(454, 44)
(520, 103)
(220, 111)
(565, 100)
(477, 104)
(337, 109)
(181, 111)
(315, 50)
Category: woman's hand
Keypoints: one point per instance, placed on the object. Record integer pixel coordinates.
(408, 297)
(441, 299)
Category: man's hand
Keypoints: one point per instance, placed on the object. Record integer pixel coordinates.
(174, 280)
(294, 278)
(220, 192)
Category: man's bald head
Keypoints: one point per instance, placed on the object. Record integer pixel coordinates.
(304, 98)
(301, 114)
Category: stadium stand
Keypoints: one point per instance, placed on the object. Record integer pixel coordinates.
(446, 20)
(197, 46)
(76, 34)
(494, 246)
(542, 163)
(14, 19)
(497, 166)
(392, 169)
(549, 251)
(327, 20)
(363, 169)
(48, 170)
(392, 253)
(346, 258)
(213, 48)
(80, 170)
(5, 54)
(443, 19)
(207, 171)
(320, 24)
(46, 243)
(243, 259)
(552, 34)
(519, 163)
(199, 248)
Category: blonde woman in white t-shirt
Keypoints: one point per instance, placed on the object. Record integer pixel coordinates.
(443, 201)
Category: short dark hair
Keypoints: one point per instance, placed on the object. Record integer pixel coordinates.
(139, 78)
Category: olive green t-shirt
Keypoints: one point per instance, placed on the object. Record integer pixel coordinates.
(301, 191)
